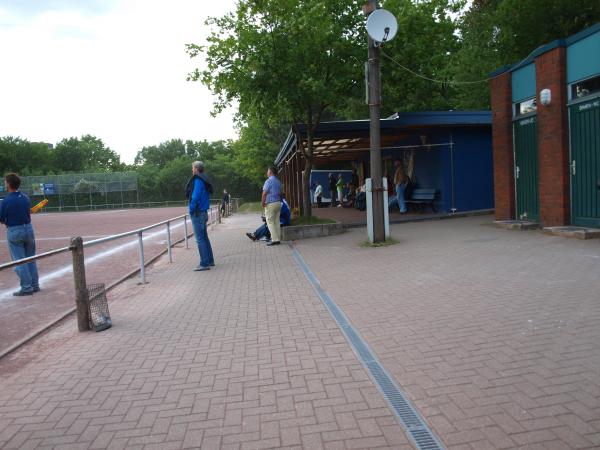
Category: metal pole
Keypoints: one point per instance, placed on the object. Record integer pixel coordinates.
(169, 242)
(142, 265)
(81, 292)
(185, 231)
(375, 135)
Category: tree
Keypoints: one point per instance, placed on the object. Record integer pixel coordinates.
(494, 33)
(256, 149)
(286, 61)
(160, 155)
(24, 157)
(424, 43)
(85, 154)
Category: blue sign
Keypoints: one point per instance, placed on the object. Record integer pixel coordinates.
(49, 189)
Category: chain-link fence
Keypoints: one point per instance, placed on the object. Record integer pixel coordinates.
(74, 192)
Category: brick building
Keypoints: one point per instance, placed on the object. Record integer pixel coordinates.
(546, 134)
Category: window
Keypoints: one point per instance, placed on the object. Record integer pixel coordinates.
(525, 107)
(585, 88)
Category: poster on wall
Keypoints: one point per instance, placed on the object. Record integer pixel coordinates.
(49, 189)
(37, 188)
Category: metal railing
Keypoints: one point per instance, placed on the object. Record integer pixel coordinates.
(77, 250)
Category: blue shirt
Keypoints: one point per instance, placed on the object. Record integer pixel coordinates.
(15, 209)
(200, 200)
(273, 189)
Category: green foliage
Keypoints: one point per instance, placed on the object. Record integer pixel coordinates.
(250, 207)
(389, 241)
(85, 154)
(160, 155)
(425, 43)
(257, 148)
(161, 178)
(283, 61)
(494, 33)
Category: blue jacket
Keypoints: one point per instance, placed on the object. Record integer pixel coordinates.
(200, 200)
(285, 217)
(14, 209)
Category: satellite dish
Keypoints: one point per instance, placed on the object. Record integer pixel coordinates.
(382, 25)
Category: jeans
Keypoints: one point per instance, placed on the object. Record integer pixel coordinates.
(400, 196)
(21, 244)
(262, 231)
(199, 220)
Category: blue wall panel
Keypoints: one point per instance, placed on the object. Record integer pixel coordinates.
(473, 169)
(523, 83)
(583, 58)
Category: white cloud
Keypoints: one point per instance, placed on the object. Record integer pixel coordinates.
(119, 74)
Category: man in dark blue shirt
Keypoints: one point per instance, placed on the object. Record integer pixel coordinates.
(199, 206)
(14, 213)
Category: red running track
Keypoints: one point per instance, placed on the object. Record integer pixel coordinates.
(105, 263)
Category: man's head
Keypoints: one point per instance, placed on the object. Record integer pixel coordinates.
(12, 181)
(197, 167)
(224, 191)
(397, 163)
(271, 171)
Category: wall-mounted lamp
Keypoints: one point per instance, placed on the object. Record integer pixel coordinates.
(545, 97)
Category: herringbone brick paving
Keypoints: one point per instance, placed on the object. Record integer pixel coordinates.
(493, 334)
(242, 357)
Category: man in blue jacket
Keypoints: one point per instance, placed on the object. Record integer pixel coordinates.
(14, 213)
(199, 206)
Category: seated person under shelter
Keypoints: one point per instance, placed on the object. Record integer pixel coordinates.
(285, 219)
(360, 201)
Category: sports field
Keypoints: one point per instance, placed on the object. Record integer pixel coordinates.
(105, 263)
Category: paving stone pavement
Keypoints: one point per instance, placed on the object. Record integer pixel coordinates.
(493, 334)
(244, 356)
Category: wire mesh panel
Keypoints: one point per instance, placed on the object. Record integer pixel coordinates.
(83, 191)
(98, 307)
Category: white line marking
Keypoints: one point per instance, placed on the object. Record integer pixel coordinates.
(7, 293)
(68, 238)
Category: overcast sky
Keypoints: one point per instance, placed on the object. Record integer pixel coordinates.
(115, 69)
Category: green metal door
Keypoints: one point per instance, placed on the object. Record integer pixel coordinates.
(585, 163)
(526, 169)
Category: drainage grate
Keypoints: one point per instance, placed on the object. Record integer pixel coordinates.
(411, 420)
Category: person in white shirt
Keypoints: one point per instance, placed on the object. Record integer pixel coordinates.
(319, 194)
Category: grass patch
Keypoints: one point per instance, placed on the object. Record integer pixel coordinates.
(312, 220)
(389, 241)
(250, 207)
